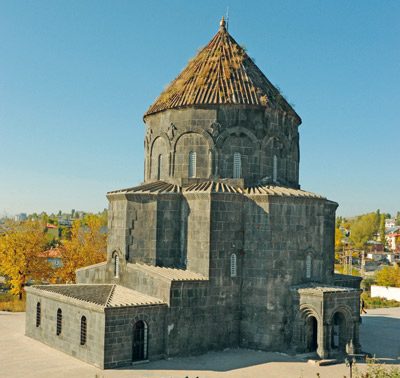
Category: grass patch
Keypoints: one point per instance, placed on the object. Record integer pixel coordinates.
(12, 303)
(377, 302)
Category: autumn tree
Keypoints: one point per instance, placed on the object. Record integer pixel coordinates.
(87, 245)
(21, 258)
(388, 276)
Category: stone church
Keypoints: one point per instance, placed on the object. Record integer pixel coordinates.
(218, 247)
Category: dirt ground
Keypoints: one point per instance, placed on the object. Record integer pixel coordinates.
(21, 356)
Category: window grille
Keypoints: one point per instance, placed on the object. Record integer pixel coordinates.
(38, 314)
(233, 265)
(192, 164)
(59, 321)
(275, 169)
(116, 265)
(160, 159)
(237, 165)
(308, 266)
(83, 330)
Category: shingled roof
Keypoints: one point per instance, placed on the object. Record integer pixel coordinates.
(103, 295)
(221, 73)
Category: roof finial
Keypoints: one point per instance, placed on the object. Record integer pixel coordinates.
(222, 23)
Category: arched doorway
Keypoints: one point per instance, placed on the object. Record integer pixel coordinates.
(140, 337)
(312, 334)
(338, 332)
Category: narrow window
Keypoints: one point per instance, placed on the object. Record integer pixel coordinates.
(275, 169)
(83, 330)
(59, 321)
(308, 266)
(159, 167)
(233, 265)
(116, 265)
(38, 314)
(237, 165)
(192, 164)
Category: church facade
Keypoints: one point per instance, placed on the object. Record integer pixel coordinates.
(218, 247)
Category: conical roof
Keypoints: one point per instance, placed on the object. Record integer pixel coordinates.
(221, 73)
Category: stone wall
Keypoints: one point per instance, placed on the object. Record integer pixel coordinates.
(215, 134)
(69, 339)
(280, 232)
(119, 324)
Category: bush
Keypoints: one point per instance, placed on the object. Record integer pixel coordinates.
(377, 302)
(378, 371)
(10, 302)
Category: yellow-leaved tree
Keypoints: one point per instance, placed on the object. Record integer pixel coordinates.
(21, 254)
(86, 246)
(388, 276)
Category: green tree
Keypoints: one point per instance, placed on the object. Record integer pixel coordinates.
(363, 229)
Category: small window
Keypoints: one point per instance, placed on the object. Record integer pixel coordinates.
(275, 169)
(59, 321)
(38, 314)
(116, 265)
(192, 164)
(233, 265)
(83, 330)
(308, 266)
(237, 165)
(160, 159)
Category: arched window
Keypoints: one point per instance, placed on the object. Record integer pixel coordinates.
(237, 165)
(116, 264)
(192, 164)
(275, 169)
(38, 314)
(83, 330)
(140, 341)
(308, 266)
(233, 265)
(160, 159)
(59, 321)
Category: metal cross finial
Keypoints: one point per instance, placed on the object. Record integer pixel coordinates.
(222, 23)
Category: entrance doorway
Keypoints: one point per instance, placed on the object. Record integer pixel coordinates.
(139, 347)
(312, 334)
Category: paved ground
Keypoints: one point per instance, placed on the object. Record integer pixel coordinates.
(21, 356)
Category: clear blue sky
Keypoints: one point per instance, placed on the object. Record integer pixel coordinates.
(77, 76)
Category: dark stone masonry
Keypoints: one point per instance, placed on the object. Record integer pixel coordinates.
(218, 247)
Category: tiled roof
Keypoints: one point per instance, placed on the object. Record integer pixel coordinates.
(218, 187)
(221, 73)
(97, 294)
(280, 191)
(122, 296)
(108, 295)
(213, 187)
(320, 288)
(153, 187)
(170, 273)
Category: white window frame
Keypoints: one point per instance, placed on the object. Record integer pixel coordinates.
(237, 165)
(233, 265)
(192, 164)
(308, 266)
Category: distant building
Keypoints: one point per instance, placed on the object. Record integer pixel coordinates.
(53, 256)
(21, 217)
(390, 223)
